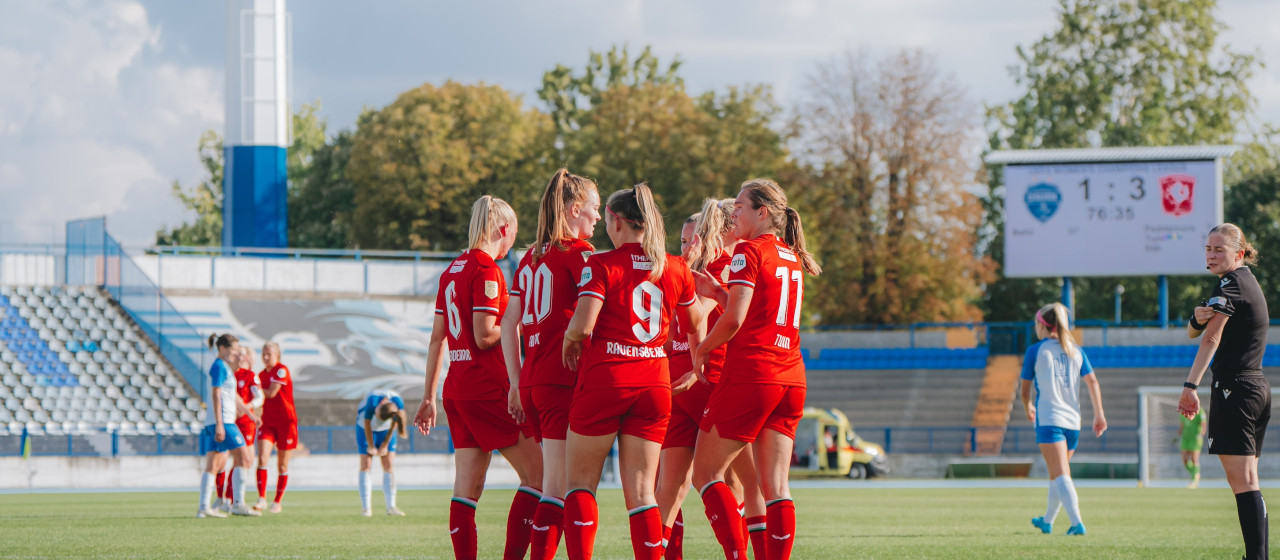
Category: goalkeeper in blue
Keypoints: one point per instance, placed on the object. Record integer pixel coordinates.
(1055, 367)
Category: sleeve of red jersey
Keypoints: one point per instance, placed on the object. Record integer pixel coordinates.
(578, 261)
(745, 266)
(523, 269)
(684, 282)
(593, 279)
(440, 302)
(487, 291)
(281, 376)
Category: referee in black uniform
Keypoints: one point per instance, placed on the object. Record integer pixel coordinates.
(1234, 324)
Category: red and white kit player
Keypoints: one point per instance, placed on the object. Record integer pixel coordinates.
(472, 296)
(279, 423)
(760, 396)
(542, 302)
(627, 300)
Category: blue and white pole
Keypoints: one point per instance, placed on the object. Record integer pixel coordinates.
(258, 127)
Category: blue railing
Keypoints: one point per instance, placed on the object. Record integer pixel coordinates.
(318, 440)
(326, 440)
(95, 258)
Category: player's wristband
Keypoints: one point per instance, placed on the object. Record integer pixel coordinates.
(1190, 385)
(1197, 326)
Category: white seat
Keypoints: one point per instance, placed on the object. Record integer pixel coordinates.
(116, 416)
(106, 403)
(124, 404)
(21, 391)
(133, 416)
(151, 416)
(31, 403)
(113, 392)
(187, 416)
(22, 415)
(193, 403)
(113, 425)
(141, 404)
(169, 416)
(6, 415)
(96, 392)
(100, 416)
(147, 392)
(130, 392)
(40, 416)
(4, 391)
(37, 392)
(59, 415)
(72, 415)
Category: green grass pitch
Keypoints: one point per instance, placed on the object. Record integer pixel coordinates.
(833, 523)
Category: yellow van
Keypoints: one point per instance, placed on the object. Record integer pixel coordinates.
(826, 445)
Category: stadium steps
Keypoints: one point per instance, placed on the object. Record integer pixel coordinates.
(994, 403)
(898, 398)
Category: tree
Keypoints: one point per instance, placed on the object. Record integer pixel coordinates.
(205, 198)
(1253, 203)
(891, 207)
(420, 162)
(624, 121)
(1115, 73)
(322, 200)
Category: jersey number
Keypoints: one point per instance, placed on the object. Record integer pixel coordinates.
(451, 310)
(536, 288)
(649, 313)
(783, 273)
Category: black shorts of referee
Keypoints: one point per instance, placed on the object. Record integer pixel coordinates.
(1239, 410)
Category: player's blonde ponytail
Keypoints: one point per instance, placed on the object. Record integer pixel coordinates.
(784, 219)
(488, 214)
(711, 225)
(1057, 320)
(562, 192)
(636, 208)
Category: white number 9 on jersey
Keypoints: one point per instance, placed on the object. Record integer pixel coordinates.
(649, 312)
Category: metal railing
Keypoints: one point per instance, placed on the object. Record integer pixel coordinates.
(960, 440)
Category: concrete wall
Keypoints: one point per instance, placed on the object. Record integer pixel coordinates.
(373, 277)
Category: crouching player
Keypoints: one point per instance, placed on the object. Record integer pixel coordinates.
(380, 419)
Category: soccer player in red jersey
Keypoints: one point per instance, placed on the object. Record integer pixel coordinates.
(706, 242)
(279, 427)
(542, 302)
(627, 299)
(249, 393)
(472, 297)
(760, 396)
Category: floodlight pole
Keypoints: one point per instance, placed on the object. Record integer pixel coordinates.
(1067, 299)
(1164, 301)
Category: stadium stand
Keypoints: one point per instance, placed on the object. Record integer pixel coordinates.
(72, 362)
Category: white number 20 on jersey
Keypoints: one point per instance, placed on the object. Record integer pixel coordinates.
(649, 312)
(537, 294)
(787, 276)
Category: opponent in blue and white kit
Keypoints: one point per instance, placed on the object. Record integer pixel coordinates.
(1055, 366)
(379, 420)
(220, 433)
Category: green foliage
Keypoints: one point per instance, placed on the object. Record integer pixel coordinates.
(322, 200)
(1253, 203)
(623, 121)
(1116, 73)
(422, 161)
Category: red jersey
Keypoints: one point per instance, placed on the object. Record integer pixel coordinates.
(681, 360)
(766, 348)
(278, 411)
(626, 344)
(549, 294)
(246, 380)
(473, 283)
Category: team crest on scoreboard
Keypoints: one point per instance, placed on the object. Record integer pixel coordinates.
(1042, 201)
(1175, 193)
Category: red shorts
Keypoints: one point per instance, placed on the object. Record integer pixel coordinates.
(284, 437)
(546, 408)
(686, 415)
(634, 411)
(740, 411)
(248, 428)
(485, 424)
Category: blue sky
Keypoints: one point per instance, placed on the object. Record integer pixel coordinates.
(102, 102)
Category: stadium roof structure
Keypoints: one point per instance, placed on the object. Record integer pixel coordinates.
(1103, 155)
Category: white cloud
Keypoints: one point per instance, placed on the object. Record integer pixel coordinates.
(91, 123)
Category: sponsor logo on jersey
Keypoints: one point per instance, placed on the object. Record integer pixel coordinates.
(1226, 393)
(281, 374)
(634, 351)
(786, 254)
(463, 355)
(586, 255)
(1210, 443)
(1217, 300)
(738, 263)
(641, 262)
(490, 289)
(1224, 282)
(677, 346)
(586, 276)
(1042, 201)
(458, 266)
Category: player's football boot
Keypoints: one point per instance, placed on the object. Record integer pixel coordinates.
(275, 508)
(1041, 524)
(261, 504)
(209, 512)
(1076, 530)
(395, 511)
(245, 511)
(366, 513)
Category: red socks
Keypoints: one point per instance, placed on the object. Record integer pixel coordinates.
(674, 536)
(755, 528)
(518, 521)
(781, 527)
(462, 528)
(581, 521)
(646, 532)
(722, 511)
(548, 522)
(742, 523)
(262, 484)
(281, 482)
(221, 488)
